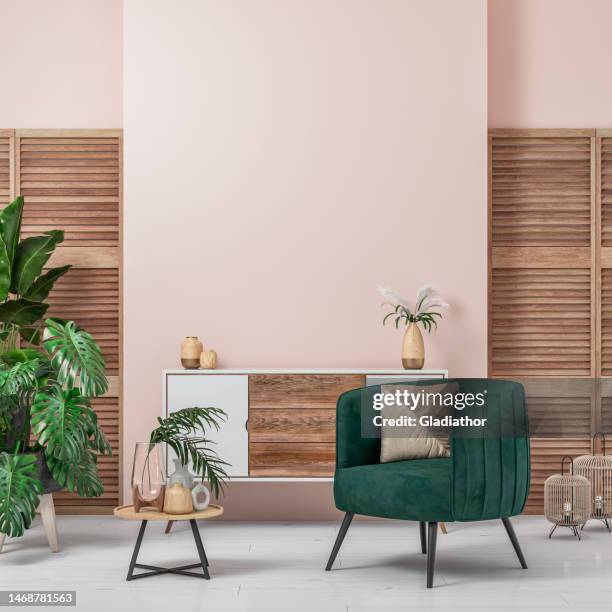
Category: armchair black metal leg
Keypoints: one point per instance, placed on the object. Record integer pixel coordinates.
(200, 547)
(130, 573)
(431, 552)
(348, 517)
(515, 542)
(423, 537)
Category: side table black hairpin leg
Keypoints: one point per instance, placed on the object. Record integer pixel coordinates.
(154, 570)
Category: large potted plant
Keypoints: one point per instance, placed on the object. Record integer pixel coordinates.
(49, 435)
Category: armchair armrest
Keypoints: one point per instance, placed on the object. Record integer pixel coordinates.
(351, 448)
(491, 469)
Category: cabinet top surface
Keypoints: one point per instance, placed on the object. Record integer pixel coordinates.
(390, 371)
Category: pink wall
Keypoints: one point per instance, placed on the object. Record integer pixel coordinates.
(282, 158)
(60, 64)
(549, 63)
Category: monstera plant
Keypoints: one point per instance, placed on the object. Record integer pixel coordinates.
(49, 434)
(51, 431)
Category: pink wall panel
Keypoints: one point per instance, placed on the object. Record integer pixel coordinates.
(61, 64)
(549, 63)
(282, 158)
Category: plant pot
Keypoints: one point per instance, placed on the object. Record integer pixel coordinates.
(15, 431)
(413, 349)
(50, 485)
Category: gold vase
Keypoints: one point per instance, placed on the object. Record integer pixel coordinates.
(191, 348)
(413, 349)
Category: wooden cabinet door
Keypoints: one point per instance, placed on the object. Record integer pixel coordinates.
(226, 391)
(292, 423)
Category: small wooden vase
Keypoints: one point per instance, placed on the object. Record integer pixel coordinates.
(140, 503)
(208, 360)
(413, 349)
(178, 500)
(191, 348)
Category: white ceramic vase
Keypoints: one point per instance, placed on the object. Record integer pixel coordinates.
(200, 497)
(181, 475)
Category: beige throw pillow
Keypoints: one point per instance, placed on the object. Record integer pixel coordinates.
(399, 443)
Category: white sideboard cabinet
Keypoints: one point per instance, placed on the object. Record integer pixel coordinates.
(280, 423)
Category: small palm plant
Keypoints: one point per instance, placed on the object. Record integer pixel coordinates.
(47, 418)
(182, 432)
(426, 309)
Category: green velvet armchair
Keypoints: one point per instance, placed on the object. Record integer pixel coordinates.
(486, 476)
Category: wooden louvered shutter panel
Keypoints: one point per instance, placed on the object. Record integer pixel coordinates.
(605, 203)
(71, 180)
(541, 277)
(7, 166)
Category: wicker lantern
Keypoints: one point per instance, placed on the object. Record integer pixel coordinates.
(567, 499)
(597, 469)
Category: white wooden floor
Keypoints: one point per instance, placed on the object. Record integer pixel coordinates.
(279, 566)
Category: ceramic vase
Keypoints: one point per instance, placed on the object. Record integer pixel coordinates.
(191, 348)
(178, 500)
(413, 349)
(208, 360)
(181, 475)
(200, 497)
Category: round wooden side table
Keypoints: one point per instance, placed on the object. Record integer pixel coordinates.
(128, 513)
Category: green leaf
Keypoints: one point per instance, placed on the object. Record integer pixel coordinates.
(62, 420)
(40, 288)
(9, 405)
(19, 493)
(80, 476)
(31, 255)
(21, 378)
(31, 335)
(387, 316)
(5, 271)
(20, 356)
(98, 441)
(76, 356)
(10, 226)
(22, 312)
(181, 432)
